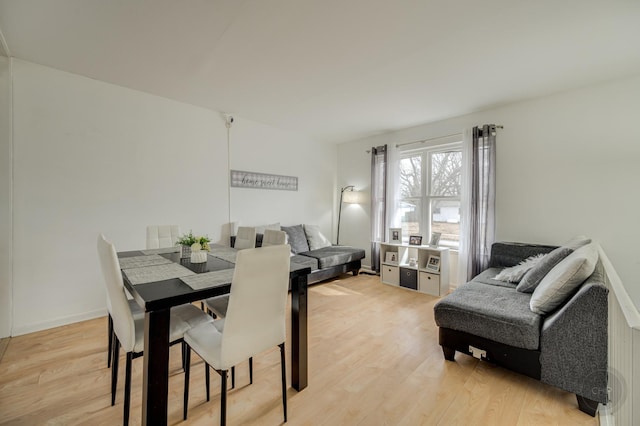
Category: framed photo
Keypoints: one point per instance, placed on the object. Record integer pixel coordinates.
(395, 235)
(415, 240)
(391, 257)
(433, 264)
(435, 239)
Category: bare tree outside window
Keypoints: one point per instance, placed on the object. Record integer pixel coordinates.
(436, 206)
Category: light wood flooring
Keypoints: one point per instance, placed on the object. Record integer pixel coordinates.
(374, 360)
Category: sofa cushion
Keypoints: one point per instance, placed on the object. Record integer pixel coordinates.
(496, 313)
(315, 238)
(297, 238)
(531, 279)
(488, 277)
(335, 255)
(564, 279)
(305, 261)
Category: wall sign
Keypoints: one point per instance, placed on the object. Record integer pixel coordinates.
(240, 179)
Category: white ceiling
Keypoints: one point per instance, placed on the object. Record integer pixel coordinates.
(335, 70)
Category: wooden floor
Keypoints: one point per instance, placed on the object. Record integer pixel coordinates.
(374, 360)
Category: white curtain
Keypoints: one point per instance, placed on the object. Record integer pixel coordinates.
(393, 188)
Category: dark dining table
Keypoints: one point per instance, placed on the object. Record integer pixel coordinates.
(157, 298)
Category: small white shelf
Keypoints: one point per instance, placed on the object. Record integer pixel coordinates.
(435, 283)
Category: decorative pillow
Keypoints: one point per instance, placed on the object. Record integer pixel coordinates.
(535, 275)
(315, 238)
(260, 229)
(297, 238)
(576, 242)
(563, 279)
(515, 273)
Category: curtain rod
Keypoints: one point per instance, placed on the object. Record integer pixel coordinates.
(398, 145)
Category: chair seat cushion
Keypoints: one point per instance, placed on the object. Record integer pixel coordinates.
(335, 255)
(206, 340)
(494, 312)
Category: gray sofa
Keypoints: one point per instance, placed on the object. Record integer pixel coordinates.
(326, 262)
(566, 346)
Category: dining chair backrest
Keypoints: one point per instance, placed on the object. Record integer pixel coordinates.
(256, 314)
(245, 238)
(273, 238)
(123, 323)
(160, 236)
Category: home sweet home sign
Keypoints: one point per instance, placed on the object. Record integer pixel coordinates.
(241, 179)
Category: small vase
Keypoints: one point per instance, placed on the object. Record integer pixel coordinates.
(185, 252)
(198, 256)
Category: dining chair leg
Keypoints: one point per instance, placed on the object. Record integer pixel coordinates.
(110, 331)
(127, 389)
(250, 370)
(207, 380)
(183, 346)
(223, 397)
(284, 380)
(233, 377)
(114, 370)
(187, 370)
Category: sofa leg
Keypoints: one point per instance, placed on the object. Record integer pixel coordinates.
(449, 353)
(587, 405)
(356, 272)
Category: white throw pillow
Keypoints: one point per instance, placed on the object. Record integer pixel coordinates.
(315, 238)
(275, 226)
(515, 273)
(563, 279)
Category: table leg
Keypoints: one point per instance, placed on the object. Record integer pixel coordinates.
(299, 332)
(155, 385)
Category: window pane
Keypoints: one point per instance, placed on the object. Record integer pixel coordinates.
(445, 218)
(411, 177)
(410, 218)
(445, 173)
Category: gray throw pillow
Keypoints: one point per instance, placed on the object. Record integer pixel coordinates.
(531, 279)
(563, 280)
(297, 238)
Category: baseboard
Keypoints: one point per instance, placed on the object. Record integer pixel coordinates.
(57, 322)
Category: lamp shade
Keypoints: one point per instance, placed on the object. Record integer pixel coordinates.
(353, 197)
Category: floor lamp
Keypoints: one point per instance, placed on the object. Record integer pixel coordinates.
(351, 197)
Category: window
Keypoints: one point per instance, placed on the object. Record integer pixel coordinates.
(430, 186)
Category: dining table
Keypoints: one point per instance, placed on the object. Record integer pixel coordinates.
(159, 279)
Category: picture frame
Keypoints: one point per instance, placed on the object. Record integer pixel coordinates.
(415, 240)
(391, 257)
(433, 264)
(395, 235)
(435, 239)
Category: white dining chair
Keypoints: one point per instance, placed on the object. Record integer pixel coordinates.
(245, 238)
(129, 330)
(218, 305)
(255, 321)
(273, 238)
(160, 236)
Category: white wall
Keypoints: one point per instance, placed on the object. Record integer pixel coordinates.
(92, 157)
(568, 164)
(261, 148)
(5, 197)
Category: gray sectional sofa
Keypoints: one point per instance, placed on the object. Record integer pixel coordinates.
(550, 324)
(325, 262)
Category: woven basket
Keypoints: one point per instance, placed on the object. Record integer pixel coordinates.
(185, 252)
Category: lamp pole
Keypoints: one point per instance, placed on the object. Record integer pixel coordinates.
(350, 187)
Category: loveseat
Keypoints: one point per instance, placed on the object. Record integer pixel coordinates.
(549, 323)
(310, 248)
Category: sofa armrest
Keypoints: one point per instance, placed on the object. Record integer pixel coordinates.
(505, 254)
(573, 344)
